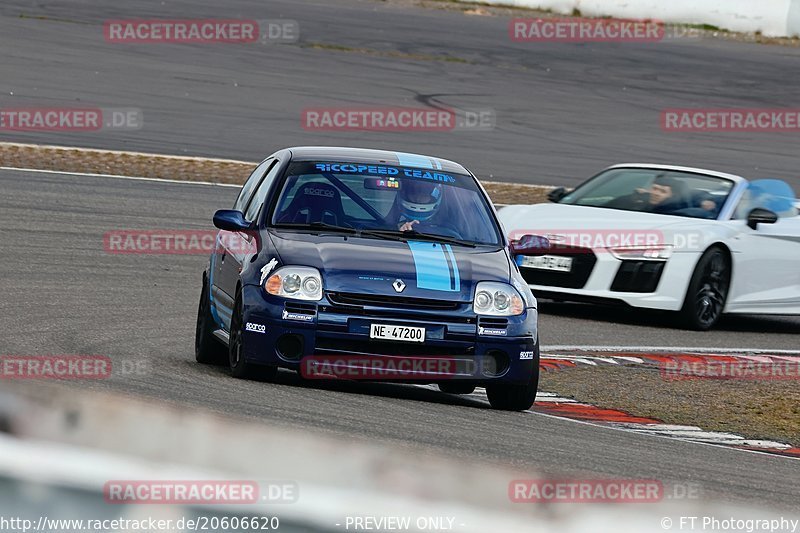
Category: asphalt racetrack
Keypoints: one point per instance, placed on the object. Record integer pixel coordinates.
(563, 111)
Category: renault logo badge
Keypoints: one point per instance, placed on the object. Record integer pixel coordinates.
(398, 285)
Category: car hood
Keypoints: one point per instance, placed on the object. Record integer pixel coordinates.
(372, 266)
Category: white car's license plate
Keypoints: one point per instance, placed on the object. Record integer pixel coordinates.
(548, 262)
(396, 333)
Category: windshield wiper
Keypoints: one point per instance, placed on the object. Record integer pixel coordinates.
(381, 234)
(406, 235)
(317, 226)
(389, 235)
(394, 235)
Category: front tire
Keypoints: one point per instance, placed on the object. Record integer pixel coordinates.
(708, 290)
(207, 349)
(240, 368)
(516, 397)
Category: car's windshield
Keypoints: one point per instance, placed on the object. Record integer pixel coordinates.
(665, 192)
(383, 198)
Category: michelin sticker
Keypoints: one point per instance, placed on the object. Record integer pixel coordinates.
(492, 332)
(286, 315)
(267, 269)
(258, 328)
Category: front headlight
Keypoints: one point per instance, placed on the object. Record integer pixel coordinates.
(296, 282)
(656, 252)
(497, 299)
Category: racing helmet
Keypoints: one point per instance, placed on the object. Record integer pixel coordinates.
(419, 200)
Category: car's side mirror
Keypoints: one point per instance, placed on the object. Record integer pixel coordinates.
(531, 245)
(761, 216)
(557, 194)
(231, 220)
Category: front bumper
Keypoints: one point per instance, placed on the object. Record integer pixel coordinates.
(285, 332)
(606, 279)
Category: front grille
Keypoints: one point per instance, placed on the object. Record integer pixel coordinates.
(490, 322)
(397, 302)
(301, 308)
(583, 261)
(638, 276)
(327, 345)
(400, 314)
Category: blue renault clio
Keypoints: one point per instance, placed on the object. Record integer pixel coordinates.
(370, 257)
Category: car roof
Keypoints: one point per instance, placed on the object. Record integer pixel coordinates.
(367, 155)
(714, 173)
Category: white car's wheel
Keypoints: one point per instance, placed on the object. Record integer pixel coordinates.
(708, 290)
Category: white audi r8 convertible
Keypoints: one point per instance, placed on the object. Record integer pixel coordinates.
(694, 241)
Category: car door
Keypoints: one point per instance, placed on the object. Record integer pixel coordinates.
(766, 274)
(236, 246)
(221, 271)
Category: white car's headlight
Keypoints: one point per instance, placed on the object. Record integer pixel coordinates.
(497, 299)
(656, 252)
(296, 282)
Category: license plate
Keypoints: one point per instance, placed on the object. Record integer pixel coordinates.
(548, 262)
(396, 333)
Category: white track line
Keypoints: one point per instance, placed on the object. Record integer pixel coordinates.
(665, 349)
(117, 176)
(690, 434)
(186, 158)
(125, 152)
(657, 436)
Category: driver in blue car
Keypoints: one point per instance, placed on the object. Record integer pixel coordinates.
(418, 204)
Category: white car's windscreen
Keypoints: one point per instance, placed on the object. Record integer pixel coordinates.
(658, 191)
